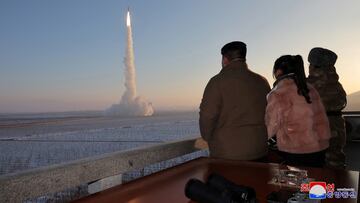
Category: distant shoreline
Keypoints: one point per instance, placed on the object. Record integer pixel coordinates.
(20, 120)
(77, 113)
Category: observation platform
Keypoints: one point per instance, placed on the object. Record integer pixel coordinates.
(169, 185)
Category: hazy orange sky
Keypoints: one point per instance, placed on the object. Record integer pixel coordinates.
(68, 55)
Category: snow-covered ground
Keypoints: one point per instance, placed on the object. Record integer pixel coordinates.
(34, 141)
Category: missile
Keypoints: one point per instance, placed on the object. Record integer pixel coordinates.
(128, 22)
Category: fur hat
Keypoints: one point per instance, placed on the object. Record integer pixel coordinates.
(322, 57)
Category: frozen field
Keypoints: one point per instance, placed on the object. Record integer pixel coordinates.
(32, 141)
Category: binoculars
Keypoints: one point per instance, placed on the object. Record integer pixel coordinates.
(218, 190)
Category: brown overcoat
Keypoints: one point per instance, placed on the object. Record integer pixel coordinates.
(232, 113)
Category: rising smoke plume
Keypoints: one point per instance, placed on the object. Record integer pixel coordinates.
(130, 104)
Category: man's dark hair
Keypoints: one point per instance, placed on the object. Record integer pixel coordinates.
(234, 50)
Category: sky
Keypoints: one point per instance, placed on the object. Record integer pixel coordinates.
(68, 55)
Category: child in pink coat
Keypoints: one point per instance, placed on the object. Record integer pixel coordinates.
(296, 116)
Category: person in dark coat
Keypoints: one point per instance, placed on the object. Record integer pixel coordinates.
(323, 76)
(232, 109)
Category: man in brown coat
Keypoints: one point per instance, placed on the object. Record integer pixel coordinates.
(232, 109)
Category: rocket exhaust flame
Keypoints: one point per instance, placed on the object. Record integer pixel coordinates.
(130, 104)
(128, 22)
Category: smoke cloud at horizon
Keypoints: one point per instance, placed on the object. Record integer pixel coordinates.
(130, 104)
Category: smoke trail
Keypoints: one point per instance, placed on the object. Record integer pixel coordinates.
(130, 104)
(129, 60)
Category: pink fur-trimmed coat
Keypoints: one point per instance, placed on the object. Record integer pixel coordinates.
(299, 127)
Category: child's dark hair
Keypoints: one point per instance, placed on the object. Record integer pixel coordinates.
(294, 64)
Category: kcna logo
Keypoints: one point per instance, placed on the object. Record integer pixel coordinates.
(317, 190)
(321, 190)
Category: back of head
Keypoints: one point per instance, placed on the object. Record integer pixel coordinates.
(286, 64)
(289, 64)
(233, 50)
(320, 57)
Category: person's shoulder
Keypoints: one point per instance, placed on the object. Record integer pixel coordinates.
(259, 77)
(215, 79)
(272, 94)
(284, 88)
(314, 94)
(284, 93)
